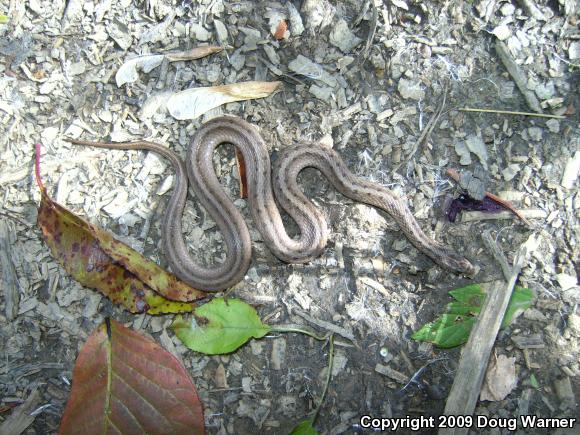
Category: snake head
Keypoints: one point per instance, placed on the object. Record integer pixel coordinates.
(460, 264)
(470, 269)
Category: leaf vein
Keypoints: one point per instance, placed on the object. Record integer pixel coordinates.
(143, 398)
(122, 403)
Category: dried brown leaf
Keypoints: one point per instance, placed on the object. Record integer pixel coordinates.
(192, 103)
(500, 379)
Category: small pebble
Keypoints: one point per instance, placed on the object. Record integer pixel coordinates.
(511, 171)
(553, 125)
(507, 9)
(535, 133)
(502, 32)
(411, 89)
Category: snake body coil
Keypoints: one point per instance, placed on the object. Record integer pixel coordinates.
(266, 216)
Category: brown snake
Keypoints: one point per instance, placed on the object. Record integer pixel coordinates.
(266, 216)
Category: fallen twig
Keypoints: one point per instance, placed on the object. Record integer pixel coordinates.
(473, 216)
(511, 112)
(372, 30)
(497, 253)
(325, 325)
(426, 131)
(430, 125)
(509, 206)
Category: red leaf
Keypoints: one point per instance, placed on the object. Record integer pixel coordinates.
(124, 382)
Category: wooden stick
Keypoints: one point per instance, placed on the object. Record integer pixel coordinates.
(426, 132)
(475, 356)
(518, 76)
(497, 253)
(473, 216)
(430, 125)
(511, 112)
(9, 279)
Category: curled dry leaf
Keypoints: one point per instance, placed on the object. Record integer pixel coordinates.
(194, 53)
(124, 382)
(128, 72)
(243, 174)
(192, 103)
(97, 260)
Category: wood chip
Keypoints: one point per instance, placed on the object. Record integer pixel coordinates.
(391, 373)
(571, 171)
(534, 341)
(21, 417)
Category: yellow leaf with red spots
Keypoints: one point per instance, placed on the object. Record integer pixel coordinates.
(97, 260)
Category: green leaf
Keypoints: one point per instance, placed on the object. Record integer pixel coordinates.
(462, 310)
(534, 382)
(220, 326)
(448, 331)
(454, 326)
(3, 19)
(305, 428)
(521, 300)
(469, 295)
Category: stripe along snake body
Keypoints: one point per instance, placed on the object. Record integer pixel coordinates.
(313, 228)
